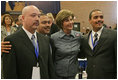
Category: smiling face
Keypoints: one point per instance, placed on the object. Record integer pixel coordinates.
(44, 26)
(96, 20)
(68, 24)
(7, 20)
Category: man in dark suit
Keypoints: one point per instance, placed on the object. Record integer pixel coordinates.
(17, 25)
(24, 56)
(101, 49)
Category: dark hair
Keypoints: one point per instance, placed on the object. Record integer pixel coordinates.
(6, 15)
(90, 15)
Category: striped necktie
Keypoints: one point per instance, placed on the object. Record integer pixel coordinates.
(33, 41)
(96, 39)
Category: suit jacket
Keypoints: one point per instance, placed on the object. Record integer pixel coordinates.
(18, 27)
(54, 28)
(102, 62)
(19, 62)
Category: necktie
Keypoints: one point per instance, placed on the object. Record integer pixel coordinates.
(96, 39)
(33, 41)
(35, 45)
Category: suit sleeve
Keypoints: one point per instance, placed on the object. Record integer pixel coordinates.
(81, 53)
(53, 49)
(115, 47)
(9, 63)
(51, 67)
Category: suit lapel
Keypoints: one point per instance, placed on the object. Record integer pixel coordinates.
(27, 42)
(101, 40)
(87, 44)
(39, 38)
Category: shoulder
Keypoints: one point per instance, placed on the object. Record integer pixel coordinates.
(2, 28)
(55, 35)
(111, 34)
(111, 31)
(10, 37)
(43, 37)
(13, 28)
(77, 34)
(14, 36)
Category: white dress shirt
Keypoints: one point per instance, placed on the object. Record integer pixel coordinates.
(30, 34)
(93, 33)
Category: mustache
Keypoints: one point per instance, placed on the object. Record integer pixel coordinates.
(36, 23)
(99, 22)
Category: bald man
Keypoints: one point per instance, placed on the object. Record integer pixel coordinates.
(30, 51)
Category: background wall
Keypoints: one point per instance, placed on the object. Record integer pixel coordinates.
(82, 9)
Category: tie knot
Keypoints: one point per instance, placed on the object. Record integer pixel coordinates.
(33, 37)
(95, 35)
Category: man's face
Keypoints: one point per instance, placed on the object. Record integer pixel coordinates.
(20, 20)
(96, 20)
(44, 26)
(31, 18)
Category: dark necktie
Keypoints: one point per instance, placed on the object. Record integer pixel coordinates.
(96, 39)
(35, 45)
(33, 41)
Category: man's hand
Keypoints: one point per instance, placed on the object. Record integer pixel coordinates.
(5, 46)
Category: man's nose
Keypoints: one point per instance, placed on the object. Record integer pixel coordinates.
(37, 18)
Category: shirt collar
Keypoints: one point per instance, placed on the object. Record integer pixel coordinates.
(98, 32)
(29, 34)
(16, 25)
(62, 34)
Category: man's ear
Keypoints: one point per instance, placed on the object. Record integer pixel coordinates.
(23, 18)
(89, 21)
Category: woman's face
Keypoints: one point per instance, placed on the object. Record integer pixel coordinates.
(68, 23)
(7, 20)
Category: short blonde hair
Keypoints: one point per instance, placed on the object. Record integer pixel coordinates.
(62, 15)
(50, 16)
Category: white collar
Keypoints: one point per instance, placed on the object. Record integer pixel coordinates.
(29, 34)
(16, 25)
(98, 32)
